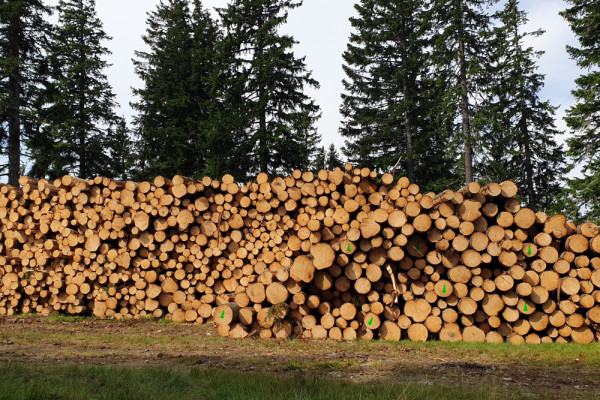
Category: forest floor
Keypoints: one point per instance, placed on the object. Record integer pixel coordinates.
(435, 369)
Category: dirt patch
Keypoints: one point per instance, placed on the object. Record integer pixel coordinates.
(138, 344)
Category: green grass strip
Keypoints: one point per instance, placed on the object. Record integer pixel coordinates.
(53, 382)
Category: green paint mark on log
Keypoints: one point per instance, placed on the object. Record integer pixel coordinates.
(529, 250)
(525, 308)
(223, 314)
(370, 323)
(444, 288)
(349, 248)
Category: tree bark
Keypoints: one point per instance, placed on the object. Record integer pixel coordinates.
(464, 106)
(83, 172)
(14, 108)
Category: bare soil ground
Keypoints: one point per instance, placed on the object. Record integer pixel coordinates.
(536, 371)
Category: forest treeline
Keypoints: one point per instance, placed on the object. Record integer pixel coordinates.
(442, 91)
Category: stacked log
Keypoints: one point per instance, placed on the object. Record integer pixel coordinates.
(340, 254)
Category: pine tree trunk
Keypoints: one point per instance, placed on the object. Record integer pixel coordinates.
(410, 164)
(14, 135)
(263, 149)
(464, 105)
(531, 200)
(82, 153)
(14, 117)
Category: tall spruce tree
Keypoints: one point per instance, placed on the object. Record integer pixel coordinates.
(269, 118)
(23, 34)
(519, 143)
(119, 146)
(584, 117)
(390, 105)
(178, 98)
(79, 122)
(462, 53)
(327, 159)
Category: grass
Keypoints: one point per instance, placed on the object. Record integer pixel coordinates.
(70, 318)
(322, 365)
(53, 382)
(66, 357)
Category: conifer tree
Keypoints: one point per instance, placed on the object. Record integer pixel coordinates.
(23, 34)
(332, 158)
(584, 117)
(390, 103)
(269, 120)
(519, 143)
(327, 159)
(462, 54)
(175, 105)
(121, 158)
(319, 161)
(78, 118)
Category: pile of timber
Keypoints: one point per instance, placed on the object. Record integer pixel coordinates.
(338, 254)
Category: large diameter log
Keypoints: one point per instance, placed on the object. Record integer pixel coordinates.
(256, 293)
(595, 278)
(508, 189)
(226, 314)
(369, 227)
(169, 285)
(525, 218)
(418, 333)
(371, 321)
(583, 335)
(323, 255)
(184, 219)
(577, 243)
(276, 293)
(443, 288)
(459, 274)
(595, 244)
(473, 334)
(422, 223)
(556, 226)
(418, 310)
(450, 333)
(100, 309)
(390, 331)
(469, 210)
(303, 269)
(396, 219)
(492, 304)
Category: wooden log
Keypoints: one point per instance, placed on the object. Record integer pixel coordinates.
(303, 269)
(469, 210)
(525, 218)
(276, 293)
(556, 226)
(577, 243)
(323, 255)
(418, 333)
(450, 333)
(508, 189)
(390, 331)
(473, 334)
(418, 310)
(226, 314)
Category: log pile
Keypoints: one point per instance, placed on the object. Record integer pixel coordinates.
(340, 254)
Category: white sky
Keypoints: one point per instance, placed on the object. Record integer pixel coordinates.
(322, 29)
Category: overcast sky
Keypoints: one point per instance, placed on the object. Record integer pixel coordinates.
(322, 29)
